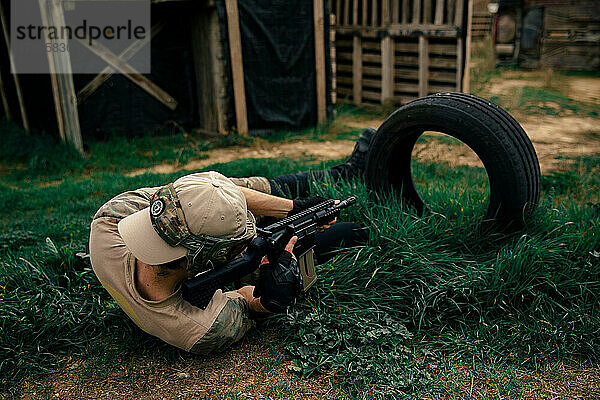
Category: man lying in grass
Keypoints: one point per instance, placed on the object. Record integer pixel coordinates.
(144, 243)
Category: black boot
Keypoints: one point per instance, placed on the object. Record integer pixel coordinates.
(354, 166)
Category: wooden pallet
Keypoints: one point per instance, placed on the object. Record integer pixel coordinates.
(482, 25)
(397, 51)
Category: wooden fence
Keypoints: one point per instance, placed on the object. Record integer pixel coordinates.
(393, 51)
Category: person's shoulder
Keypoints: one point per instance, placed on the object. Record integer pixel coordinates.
(125, 204)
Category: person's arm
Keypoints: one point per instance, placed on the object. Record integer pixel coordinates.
(266, 204)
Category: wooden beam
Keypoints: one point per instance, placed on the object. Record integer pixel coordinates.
(320, 60)
(338, 12)
(466, 83)
(130, 73)
(387, 69)
(237, 66)
(61, 77)
(4, 100)
(416, 17)
(423, 66)
(450, 10)
(107, 72)
(355, 12)
(17, 82)
(365, 12)
(357, 70)
(439, 12)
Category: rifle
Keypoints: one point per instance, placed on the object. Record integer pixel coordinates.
(269, 241)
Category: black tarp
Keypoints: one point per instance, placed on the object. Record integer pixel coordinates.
(278, 53)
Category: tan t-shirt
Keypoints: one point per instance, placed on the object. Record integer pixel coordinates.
(224, 321)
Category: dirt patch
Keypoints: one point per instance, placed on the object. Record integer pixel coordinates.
(254, 369)
(584, 89)
(318, 151)
(506, 86)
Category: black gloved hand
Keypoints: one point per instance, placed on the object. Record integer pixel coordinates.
(303, 204)
(279, 283)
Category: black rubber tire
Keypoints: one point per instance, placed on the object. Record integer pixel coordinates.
(500, 142)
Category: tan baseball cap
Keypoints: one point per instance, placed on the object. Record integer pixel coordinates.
(212, 205)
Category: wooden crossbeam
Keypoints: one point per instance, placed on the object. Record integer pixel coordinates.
(130, 73)
(107, 72)
(24, 118)
(237, 66)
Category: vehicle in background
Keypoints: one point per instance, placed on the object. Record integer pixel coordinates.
(561, 34)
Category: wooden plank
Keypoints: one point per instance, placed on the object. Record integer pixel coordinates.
(107, 72)
(357, 71)
(407, 47)
(387, 69)
(237, 66)
(372, 58)
(63, 88)
(320, 59)
(371, 95)
(407, 87)
(355, 12)
(4, 100)
(442, 49)
(459, 70)
(426, 11)
(385, 12)
(416, 17)
(16, 80)
(346, 20)
(338, 12)
(466, 83)
(450, 10)
(395, 11)
(458, 15)
(405, 11)
(374, 13)
(365, 12)
(369, 45)
(439, 12)
(423, 65)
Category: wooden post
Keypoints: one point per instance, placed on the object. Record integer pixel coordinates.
(355, 12)
(466, 83)
(63, 88)
(13, 69)
(423, 66)
(320, 60)
(450, 11)
(387, 69)
(237, 66)
(338, 12)
(459, 69)
(4, 100)
(416, 18)
(365, 12)
(346, 20)
(357, 70)
(439, 12)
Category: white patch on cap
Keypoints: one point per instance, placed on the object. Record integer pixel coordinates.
(157, 207)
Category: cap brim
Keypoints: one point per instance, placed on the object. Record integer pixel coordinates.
(143, 241)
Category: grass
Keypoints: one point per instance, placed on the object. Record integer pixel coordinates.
(386, 316)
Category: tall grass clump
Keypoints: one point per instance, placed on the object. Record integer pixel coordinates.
(424, 287)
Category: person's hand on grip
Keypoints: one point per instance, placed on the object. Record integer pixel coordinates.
(279, 281)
